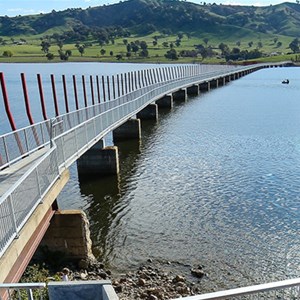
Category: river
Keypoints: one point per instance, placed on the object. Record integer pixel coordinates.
(214, 182)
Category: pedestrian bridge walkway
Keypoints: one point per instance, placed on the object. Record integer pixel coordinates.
(35, 160)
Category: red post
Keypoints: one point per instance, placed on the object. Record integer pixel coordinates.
(75, 92)
(65, 93)
(103, 88)
(129, 85)
(118, 83)
(54, 95)
(114, 88)
(108, 87)
(92, 89)
(126, 86)
(39, 79)
(84, 91)
(122, 84)
(98, 88)
(26, 99)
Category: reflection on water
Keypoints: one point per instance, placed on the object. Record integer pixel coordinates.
(214, 182)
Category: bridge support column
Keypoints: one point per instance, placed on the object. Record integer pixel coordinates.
(131, 129)
(214, 83)
(221, 81)
(227, 79)
(204, 86)
(165, 102)
(180, 95)
(99, 161)
(232, 77)
(69, 233)
(150, 112)
(193, 90)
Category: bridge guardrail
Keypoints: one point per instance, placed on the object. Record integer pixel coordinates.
(74, 134)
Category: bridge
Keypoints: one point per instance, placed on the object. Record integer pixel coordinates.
(34, 160)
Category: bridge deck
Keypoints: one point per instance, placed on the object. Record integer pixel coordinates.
(11, 175)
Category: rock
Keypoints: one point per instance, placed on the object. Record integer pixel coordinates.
(141, 282)
(197, 273)
(83, 276)
(152, 297)
(179, 278)
(118, 289)
(83, 264)
(149, 260)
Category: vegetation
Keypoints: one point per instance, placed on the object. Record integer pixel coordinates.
(154, 30)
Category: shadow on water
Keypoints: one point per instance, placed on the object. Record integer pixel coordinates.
(106, 203)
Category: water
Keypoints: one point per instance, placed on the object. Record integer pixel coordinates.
(215, 182)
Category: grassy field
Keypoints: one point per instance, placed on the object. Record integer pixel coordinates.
(31, 51)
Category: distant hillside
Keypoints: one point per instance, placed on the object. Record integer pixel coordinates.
(146, 16)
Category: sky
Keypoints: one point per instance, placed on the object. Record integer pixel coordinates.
(25, 7)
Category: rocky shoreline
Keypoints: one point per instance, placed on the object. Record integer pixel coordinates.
(151, 281)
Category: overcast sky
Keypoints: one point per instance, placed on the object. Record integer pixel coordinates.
(25, 7)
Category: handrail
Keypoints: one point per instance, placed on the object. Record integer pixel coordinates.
(250, 290)
(11, 288)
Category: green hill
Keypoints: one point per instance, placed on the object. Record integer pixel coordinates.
(142, 17)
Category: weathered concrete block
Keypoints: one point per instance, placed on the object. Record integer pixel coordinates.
(165, 102)
(180, 95)
(69, 233)
(131, 129)
(193, 90)
(150, 112)
(78, 290)
(99, 161)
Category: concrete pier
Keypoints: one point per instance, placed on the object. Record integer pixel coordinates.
(150, 112)
(221, 81)
(227, 79)
(99, 161)
(131, 129)
(69, 234)
(204, 86)
(214, 83)
(180, 95)
(165, 102)
(193, 90)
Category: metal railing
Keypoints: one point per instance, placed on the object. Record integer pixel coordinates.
(287, 289)
(22, 290)
(73, 134)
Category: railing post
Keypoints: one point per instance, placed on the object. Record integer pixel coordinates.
(54, 95)
(98, 88)
(103, 89)
(92, 89)
(6, 103)
(65, 93)
(84, 91)
(113, 85)
(118, 84)
(75, 92)
(126, 86)
(108, 87)
(122, 84)
(129, 85)
(42, 99)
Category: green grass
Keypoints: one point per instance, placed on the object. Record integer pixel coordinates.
(31, 52)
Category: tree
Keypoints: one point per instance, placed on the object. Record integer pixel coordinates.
(119, 56)
(144, 53)
(50, 56)
(45, 46)
(205, 40)
(238, 43)
(80, 48)
(154, 43)
(60, 44)
(279, 44)
(165, 44)
(134, 47)
(7, 53)
(259, 45)
(143, 45)
(171, 54)
(224, 49)
(125, 41)
(294, 45)
(180, 35)
(177, 43)
(111, 53)
(102, 51)
(250, 44)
